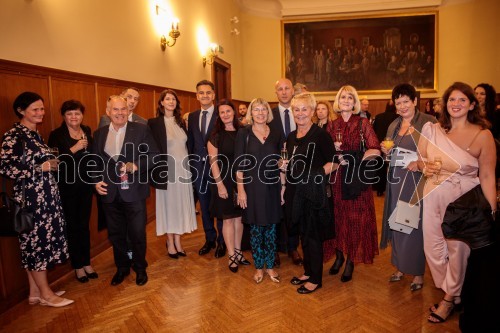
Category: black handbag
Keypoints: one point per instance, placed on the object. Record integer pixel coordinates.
(469, 219)
(16, 218)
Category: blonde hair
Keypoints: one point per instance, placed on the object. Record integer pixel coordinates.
(306, 97)
(258, 101)
(331, 115)
(350, 90)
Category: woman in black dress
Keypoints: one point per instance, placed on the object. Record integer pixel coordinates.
(307, 202)
(45, 245)
(259, 188)
(221, 151)
(72, 139)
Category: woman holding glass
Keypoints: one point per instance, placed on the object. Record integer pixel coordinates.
(260, 184)
(307, 172)
(354, 209)
(45, 245)
(467, 152)
(403, 135)
(221, 153)
(72, 140)
(324, 114)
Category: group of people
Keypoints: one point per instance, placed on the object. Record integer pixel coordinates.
(294, 174)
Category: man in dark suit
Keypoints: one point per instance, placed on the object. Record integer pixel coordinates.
(284, 122)
(124, 151)
(380, 125)
(132, 97)
(200, 125)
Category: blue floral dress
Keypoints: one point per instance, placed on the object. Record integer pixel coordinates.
(46, 244)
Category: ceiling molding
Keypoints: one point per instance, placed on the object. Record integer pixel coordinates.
(293, 8)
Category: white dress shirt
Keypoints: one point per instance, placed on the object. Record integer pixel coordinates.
(114, 141)
(282, 109)
(209, 117)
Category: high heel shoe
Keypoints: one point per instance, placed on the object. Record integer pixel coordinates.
(233, 263)
(303, 290)
(33, 300)
(180, 253)
(348, 270)
(339, 261)
(241, 259)
(173, 255)
(275, 278)
(81, 279)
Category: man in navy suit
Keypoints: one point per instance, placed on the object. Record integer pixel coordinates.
(124, 151)
(284, 122)
(200, 125)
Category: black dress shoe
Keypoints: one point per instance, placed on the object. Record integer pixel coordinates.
(182, 254)
(296, 258)
(334, 270)
(92, 275)
(119, 277)
(303, 290)
(81, 279)
(206, 248)
(141, 278)
(348, 270)
(296, 281)
(220, 250)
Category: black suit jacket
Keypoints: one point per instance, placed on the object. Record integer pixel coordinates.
(197, 144)
(276, 122)
(138, 147)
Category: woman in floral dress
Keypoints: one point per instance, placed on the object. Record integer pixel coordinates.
(45, 245)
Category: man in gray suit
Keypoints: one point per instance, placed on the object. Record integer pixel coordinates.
(132, 97)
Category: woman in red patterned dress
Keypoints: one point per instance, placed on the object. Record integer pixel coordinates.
(355, 224)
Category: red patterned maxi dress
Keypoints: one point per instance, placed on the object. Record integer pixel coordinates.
(355, 222)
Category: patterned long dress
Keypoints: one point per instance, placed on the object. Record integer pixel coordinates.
(46, 244)
(355, 221)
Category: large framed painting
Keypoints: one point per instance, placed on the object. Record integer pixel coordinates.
(373, 53)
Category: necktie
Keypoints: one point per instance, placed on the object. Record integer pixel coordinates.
(287, 123)
(204, 124)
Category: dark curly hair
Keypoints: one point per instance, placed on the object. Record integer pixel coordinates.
(473, 116)
(160, 110)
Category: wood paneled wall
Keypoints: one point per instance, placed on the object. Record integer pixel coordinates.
(57, 86)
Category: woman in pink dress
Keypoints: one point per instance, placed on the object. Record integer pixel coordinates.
(459, 154)
(355, 223)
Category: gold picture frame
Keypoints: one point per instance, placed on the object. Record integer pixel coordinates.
(371, 53)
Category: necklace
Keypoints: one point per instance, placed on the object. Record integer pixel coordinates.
(264, 133)
(75, 134)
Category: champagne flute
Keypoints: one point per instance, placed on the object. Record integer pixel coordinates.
(84, 137)
(54, 151)
(438, 162)
(388, 144)
(284, 153)
(338, 139)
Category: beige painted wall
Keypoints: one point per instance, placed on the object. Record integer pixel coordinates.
(118, 39)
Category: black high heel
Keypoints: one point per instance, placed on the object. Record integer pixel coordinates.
(348, 270)
(233, 263)
(339, 261)
(240, 258)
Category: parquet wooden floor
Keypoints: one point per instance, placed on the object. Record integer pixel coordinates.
(199, 294)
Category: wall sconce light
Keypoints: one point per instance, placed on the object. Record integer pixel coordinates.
(213, 50)
(234, 19)
(173, 34)
(235, 32)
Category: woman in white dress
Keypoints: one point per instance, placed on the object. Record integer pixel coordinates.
(175, 214)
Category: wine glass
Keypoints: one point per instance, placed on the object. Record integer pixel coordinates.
(284, 154)
(84, 137)
(438, 162)
(338, 139)
(388, 143)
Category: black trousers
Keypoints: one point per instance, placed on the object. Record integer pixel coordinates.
(313, 259)
(77, 210)
(127, 219)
